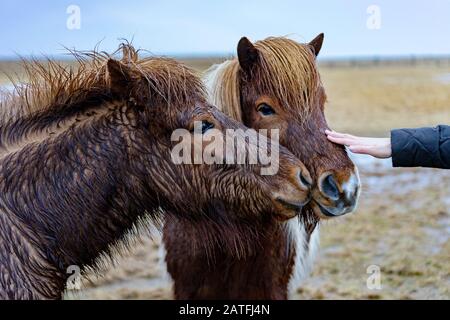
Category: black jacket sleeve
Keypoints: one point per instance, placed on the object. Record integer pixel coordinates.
(423, 147)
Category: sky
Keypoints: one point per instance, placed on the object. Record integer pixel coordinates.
(353, 28)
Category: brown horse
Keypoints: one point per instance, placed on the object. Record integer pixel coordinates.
(85, 158)
(273, 83)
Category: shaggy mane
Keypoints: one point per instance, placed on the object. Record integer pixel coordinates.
(286, 70)
(54, 92)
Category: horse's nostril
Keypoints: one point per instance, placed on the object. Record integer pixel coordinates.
(306, 182)
(329, 187)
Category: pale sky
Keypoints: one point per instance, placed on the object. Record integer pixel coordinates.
(214, 27)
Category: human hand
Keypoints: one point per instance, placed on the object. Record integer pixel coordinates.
(376, 147)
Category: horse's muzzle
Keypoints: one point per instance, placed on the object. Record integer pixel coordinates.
(334, 197)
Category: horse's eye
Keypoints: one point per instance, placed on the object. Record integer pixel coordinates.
(206, 125)
(265, 109)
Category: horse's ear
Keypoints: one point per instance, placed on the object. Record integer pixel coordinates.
(247, 54)
(316, 44)
(119, 77)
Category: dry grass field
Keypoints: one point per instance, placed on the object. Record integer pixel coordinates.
(402, 224)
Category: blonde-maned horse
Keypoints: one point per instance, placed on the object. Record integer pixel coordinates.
(271, 84)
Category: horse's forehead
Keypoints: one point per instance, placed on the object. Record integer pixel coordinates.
(293, 81)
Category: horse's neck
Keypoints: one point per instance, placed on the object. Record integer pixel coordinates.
(217, 273)
(283, 256)
(68, 193)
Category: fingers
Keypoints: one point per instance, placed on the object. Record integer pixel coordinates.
(339, 135)
(354, 145)
(342, 138)
(339, 140)
(376, 147)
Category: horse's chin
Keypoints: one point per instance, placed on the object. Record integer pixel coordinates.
(321, 212)
(325, 214)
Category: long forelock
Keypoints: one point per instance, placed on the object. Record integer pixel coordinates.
(175, 83)
(285, 69)
(288, 71)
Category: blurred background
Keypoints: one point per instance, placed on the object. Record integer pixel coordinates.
(384, 64)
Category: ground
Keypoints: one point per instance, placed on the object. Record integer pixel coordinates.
(401, 226)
